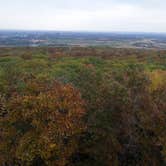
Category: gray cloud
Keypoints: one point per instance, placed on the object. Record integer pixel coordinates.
(100, 15)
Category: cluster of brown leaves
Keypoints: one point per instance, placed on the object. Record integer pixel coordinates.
(41, 125)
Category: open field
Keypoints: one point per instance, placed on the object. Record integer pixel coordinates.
(55, 38)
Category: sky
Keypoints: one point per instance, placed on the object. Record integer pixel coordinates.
(84, 15)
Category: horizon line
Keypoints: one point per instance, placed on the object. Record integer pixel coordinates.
(84, 31)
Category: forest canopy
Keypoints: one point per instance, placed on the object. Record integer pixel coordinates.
(82, 106)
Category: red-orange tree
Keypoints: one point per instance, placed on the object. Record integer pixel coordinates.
(42, 125)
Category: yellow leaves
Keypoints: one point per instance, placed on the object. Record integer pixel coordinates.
(158, 78)
(53, 146)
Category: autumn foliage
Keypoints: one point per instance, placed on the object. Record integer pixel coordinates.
(82, 107)
(41, 125)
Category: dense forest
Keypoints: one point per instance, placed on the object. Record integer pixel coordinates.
(82, 106)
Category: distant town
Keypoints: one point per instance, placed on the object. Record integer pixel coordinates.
(82, 39)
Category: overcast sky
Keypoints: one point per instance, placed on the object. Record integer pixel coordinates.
(84, 15)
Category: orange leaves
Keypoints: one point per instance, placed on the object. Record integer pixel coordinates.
(44, 119)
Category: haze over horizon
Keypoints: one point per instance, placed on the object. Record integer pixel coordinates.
(77, 15)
